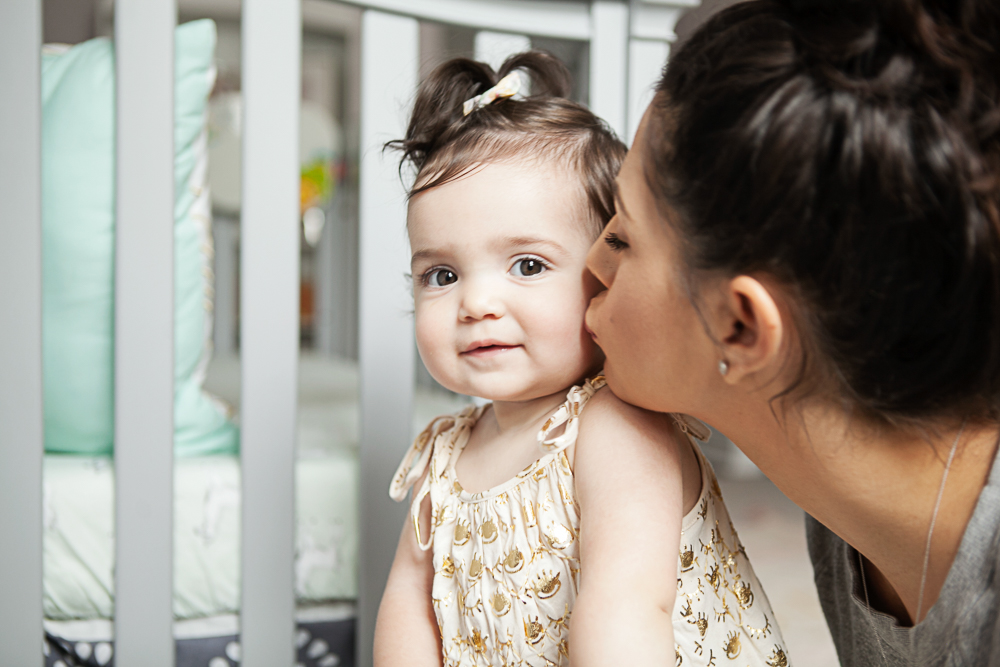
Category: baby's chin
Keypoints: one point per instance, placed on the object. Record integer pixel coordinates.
(512, 390)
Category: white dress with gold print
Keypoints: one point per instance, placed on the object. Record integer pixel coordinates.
(721, 614)
(507, 560)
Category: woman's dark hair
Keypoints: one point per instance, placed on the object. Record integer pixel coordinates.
(851, 150)
(444, 144)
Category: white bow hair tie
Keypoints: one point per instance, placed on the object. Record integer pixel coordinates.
(508, 86)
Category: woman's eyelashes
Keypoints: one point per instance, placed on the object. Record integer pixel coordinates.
(615, 242)
(438, 277)
(529, 267)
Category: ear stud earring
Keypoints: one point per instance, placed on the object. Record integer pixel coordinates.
(723, 367)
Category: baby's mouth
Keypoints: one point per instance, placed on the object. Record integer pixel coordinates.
(483, 348)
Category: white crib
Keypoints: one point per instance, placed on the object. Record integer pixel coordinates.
(629, 42)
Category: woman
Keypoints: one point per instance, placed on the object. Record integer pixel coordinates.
(808, 235)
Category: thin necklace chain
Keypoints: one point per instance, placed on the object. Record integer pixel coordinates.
(927, 559)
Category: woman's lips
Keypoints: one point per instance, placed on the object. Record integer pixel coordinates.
(586, 326)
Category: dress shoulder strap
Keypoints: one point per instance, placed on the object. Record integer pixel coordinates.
(418, 458)
(691, 426)
(568, 414)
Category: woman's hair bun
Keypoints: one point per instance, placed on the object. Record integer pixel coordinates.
(851, 149)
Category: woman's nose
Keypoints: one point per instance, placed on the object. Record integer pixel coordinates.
(601, 261)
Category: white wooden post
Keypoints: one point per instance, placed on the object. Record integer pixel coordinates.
(609, 50)
(269, 334)
(389, 62)
(21, 441)
(494, 47)
(144, 333)
(652, 33)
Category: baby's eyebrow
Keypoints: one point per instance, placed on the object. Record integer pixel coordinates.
(532, 242)
(424, 255)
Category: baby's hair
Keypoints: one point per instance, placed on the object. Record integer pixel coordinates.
(444, 144)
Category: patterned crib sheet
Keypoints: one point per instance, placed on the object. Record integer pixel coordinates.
(79, 534)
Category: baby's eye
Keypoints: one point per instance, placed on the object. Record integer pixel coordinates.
(440, 277)
(528, 267)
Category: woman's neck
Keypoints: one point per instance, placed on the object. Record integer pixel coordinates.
(876, 488)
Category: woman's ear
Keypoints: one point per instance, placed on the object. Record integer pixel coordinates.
(747, 324)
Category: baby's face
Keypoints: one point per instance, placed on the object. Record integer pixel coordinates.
(500, 282)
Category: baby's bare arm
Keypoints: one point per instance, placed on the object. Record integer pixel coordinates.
(406, 632)
(628, 470)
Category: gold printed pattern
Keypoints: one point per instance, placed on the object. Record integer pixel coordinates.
(732, 646)
(559, 536)
(744, 594)
(687, 560)
(547, 585)
(514, 561)
(777, 658)
(507, 560)
(447, 566)
(476, 568)
(462, 533)
(500, 603)
(533, 631)
(701, 622)
(488, 531)
(528, 509)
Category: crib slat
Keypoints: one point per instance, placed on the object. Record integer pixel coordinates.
(269, 306)
(21, 442)
(144, 327)
(609, 62)
(389, 57)
(646, 60)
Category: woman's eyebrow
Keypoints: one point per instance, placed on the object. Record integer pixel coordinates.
(619, 204)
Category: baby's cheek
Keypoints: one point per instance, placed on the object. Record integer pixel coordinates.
(561, 327)
(432, 337)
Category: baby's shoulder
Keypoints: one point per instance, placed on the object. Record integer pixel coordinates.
(609, 419)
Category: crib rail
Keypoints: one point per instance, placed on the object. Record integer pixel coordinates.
(625, 58)
(272, 33)
(20, 334)
(144, 332)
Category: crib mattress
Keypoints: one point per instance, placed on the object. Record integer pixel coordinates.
(79, 534)
(79, 506)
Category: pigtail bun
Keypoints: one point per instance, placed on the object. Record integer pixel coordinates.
(442, 143)
(437, 116)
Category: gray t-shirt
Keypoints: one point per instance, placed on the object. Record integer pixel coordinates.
(963, 626)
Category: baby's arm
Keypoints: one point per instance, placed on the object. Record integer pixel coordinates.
(406, 632)
(628, 470)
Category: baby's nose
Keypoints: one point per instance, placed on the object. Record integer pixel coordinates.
(481, 301)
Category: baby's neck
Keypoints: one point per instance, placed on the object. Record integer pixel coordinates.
(508, 417)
